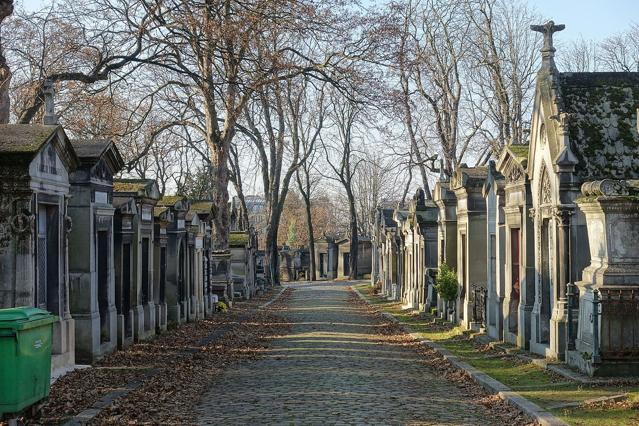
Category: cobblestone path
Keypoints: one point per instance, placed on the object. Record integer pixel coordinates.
(333, 369)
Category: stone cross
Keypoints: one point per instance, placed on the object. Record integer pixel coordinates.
(48, 92)
(548, 29)
(6, 9)
(548, 50)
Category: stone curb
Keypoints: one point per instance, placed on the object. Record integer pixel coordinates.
(277, 296)
(533, 410)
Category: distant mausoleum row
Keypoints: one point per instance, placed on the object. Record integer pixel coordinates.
(544, 241)
(114, 260)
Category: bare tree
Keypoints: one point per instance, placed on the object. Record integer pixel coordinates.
(340, 153)
(440, 34)
(279, 155)
(306, 118)
(504, 64)
(580, 55)
(621, 52)
(6, 9)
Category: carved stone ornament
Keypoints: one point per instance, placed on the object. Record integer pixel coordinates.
(532, 213)
(515, 174)
(606, 187)
(22, 224)
(68, 223)
(565, 119)
(563, 215)
(545, 188)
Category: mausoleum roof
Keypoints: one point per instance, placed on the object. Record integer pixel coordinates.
(202, 207)
(170, 200)
(24, 138)
(603, 122)
(145, 188)
(238, 238)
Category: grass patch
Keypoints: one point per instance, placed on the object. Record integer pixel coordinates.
(540, 386)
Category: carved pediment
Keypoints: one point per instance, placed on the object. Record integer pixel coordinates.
(102, 171)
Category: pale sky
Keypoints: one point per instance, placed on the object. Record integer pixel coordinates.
(594, 19)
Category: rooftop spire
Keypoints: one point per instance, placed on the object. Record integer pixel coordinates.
(548, 50)
(48, 91)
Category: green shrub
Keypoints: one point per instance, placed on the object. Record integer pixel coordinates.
(446, 283)
(222, 307)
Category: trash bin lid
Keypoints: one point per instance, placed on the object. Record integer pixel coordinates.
(24, 317)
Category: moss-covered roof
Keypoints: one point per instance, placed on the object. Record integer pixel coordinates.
(202, 207)
(238, 239)
(130, 185)
(603, 129)
(170, 200)
(157, 211)
(24, 138)
(520, 152)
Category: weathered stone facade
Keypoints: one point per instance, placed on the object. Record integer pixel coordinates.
(548, 233)
(135, 201)
(91, 268)
(35, 163)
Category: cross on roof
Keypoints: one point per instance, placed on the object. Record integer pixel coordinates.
(548, 29)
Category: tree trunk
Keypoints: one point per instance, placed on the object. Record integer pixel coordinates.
(6, 9)
(220, 177)
(272, 255)
(354, 237)
(311, 238)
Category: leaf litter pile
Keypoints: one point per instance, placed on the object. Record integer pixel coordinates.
(392, 333)
(170, 372)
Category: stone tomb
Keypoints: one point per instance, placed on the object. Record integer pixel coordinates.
(518, 247)
(163, 217)
(35, 162)
(446, 202)
(385, 250)
(135, 200)
(467, 183)
(196, 231)
(204, 209)
(325, 258)
(242, 245)
(607, 342)
(91, 267)
(364, 257)
(493, 192)
(177, 272)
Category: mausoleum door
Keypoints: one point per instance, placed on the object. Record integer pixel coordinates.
(180, 280)
(515, 282)
(162, 274)
(145, 271)
(48, 284)
(103, 283)
(126, 286)
(347, 264)
(322, 265)
(464, 283)
(546, 282)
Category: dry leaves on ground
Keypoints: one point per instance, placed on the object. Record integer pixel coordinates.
(173, 369)
(393, 334)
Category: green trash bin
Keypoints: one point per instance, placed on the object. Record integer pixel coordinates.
(25, 357)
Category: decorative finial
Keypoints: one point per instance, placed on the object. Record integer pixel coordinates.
(442, 173)
(48, 91)
(548, 50)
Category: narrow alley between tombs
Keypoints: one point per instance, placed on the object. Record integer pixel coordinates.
(343, 363)
(307, 353)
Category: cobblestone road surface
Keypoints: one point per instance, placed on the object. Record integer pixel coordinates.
(332, 368)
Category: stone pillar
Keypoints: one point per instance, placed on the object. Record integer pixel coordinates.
(562, 216)
(606, 343)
